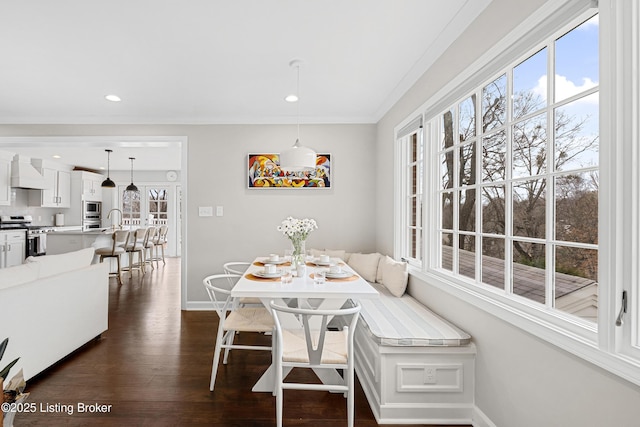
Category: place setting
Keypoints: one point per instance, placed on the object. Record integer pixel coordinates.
(274, 259)
(335, 273)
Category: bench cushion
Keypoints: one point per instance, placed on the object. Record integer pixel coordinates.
(404, 321)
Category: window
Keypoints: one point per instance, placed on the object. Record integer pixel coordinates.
(518, 188)
(527, 215)
(411, 147)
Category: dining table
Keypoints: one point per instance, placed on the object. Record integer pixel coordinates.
(302, 291)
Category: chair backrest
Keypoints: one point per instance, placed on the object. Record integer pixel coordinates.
(161, 237)
(120, 239)
(219, 287)
(149, 235)
(314, 351)
(236, 267)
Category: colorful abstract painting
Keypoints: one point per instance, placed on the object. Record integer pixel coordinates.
(264, 172)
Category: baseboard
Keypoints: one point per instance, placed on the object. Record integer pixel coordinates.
(480, 419)
(199, 306)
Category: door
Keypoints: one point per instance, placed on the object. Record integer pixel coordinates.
(152, 205)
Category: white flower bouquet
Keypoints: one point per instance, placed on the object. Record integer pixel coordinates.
(297, 230)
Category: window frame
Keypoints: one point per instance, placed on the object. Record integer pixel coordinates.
(612, 348)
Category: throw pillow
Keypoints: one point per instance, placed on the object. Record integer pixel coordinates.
(366, 265)
(394, 275)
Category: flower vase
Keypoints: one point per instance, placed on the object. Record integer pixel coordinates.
(298, 257)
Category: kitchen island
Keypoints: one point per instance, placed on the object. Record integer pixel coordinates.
(60, 242)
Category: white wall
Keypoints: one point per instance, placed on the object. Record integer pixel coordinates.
(217, 175)
(521, 380)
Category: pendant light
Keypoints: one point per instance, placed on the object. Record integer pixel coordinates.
(107, 183)
(132, 187)
(298, 158)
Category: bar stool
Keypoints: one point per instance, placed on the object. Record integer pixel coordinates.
(135, 246)
(120, 239)
(159, 242)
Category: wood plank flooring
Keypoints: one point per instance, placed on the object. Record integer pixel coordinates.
(153, 366)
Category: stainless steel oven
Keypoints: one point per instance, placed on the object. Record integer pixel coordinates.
(91, 224)
(92, 208)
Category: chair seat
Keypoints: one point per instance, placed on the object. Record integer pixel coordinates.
(249, 319)
(294, 346)
(118, 250)
(249, 300)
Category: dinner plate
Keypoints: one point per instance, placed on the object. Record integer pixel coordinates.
(341, 275)
(268, 261)
(318, 262)
(264, 275)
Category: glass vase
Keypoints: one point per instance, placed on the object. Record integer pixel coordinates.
(298, 256)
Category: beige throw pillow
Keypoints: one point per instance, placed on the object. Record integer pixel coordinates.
(394, 275)
(366, 265)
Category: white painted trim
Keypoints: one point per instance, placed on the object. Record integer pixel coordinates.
(480, 419)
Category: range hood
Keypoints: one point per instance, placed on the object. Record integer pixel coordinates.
(24, 175)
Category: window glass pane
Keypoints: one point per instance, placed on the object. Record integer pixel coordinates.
(577, 207)
(529, 270)
(530, 84)
(494, 112)
(493, 209)
(162, 207)
(530, 147)
(577, 134)
(529, 208)
(467, 256)
(576, 282)
(468, 164)
(447, 210)
(413, 147)
(446, 260)
(467, 210)
(577, 60)
(493, 262)
(446, 169)
(447, 130)
(494, 153)
(467, 118)
(415, 213)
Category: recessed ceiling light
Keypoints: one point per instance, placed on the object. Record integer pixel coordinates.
(57, 156)
(113, 98)
(291, 98)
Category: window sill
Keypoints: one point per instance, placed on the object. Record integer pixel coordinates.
(573, 338)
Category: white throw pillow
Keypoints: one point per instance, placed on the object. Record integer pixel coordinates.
(57, 264)
(13, 276)
(394, 275)
(366, 265)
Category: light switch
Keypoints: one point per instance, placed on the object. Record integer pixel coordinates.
(219, 211)
(205, 211)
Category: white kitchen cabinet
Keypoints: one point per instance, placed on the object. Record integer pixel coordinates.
(13, 247)
(5, 178)
(91, 186)
(58, 180)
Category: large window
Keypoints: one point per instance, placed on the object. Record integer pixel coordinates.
(531, 206)
(518, 182)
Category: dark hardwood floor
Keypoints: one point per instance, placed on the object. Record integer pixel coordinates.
(153, 365)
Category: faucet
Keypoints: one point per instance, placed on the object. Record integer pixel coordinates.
(109, 217)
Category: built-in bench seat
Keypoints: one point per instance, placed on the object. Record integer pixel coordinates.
(414, 366)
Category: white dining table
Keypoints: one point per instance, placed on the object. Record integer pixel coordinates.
(332, 294)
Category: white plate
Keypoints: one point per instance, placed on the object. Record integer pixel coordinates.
(318, 262)
(264, 275)
(268, 261)
(341, 275)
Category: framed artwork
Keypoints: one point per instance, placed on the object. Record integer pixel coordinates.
(264, 172)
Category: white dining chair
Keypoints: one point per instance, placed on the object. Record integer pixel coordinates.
(233, 319)
(240, 268)
(314, 348)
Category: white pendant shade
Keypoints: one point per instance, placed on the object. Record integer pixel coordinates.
(298, 159)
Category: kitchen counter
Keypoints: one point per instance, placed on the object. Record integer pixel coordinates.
(59, 242)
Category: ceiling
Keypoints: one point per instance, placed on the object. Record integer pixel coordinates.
(213, 61)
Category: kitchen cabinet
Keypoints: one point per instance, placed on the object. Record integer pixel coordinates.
(91, 185)
(12, 247)
(58, 180)
(5, 178)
